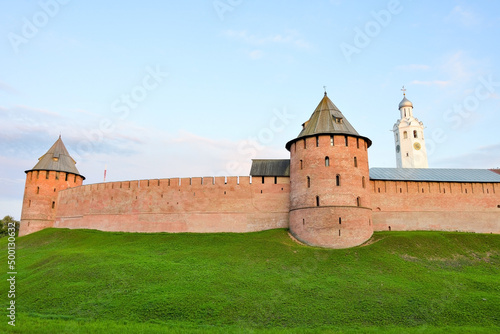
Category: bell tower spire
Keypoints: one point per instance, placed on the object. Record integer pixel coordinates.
(409, 137)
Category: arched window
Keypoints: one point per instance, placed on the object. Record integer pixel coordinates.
(340, 221)
(405, 135)
(301, 164)
(415, 134)
(317, 141)
(317, 200)
(363, 182)
(358, 201)
(355, 162)
(37, 190)
(308, 182)
(327, 161)
(331, 141)
(305, 145)
(346, 141)
(337, 179)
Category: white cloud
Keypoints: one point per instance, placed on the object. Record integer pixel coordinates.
(463, 16)
(440, 83)
(456, 70)
(290, 38)
(6, 88)
(256, 54)
(486, 157)
(413, 67)
(457, 66)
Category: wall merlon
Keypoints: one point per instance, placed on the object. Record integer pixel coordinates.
(220, 180)
(196, 181)
(245, 180)
(232, 180)
(208, 180)
(174, 182)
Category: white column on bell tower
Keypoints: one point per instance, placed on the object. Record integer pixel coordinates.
(409, 138)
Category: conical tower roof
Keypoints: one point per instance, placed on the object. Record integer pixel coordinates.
(57, 159)
(327, 119)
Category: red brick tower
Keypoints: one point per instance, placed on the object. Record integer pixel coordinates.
(54, 171)
(329, 179)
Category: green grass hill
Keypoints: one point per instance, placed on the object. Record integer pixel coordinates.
(86, 281)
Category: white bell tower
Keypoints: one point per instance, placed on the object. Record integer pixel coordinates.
(409, 138)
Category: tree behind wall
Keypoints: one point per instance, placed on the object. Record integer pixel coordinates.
(4, 225)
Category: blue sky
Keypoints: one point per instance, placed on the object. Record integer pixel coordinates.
(158, 89)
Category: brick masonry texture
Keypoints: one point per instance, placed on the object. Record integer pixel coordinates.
(206, 204)
(443, 206)
(328, 200)
(40, 202)
(330, 197)
(245, 204)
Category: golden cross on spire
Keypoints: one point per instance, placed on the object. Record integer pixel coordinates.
(404, 90)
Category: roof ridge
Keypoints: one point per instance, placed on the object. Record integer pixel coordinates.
(58, 159)
(327, 119)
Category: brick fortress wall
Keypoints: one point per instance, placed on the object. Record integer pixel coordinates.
(438, 206)
(232, 204)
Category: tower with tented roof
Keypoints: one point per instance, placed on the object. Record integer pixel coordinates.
(329, 181)
(54, 171)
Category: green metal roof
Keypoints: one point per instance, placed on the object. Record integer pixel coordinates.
(434, 175)
(57, 159)
(270, 167)
(327, 119)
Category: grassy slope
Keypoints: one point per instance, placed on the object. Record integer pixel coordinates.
(256, 280)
